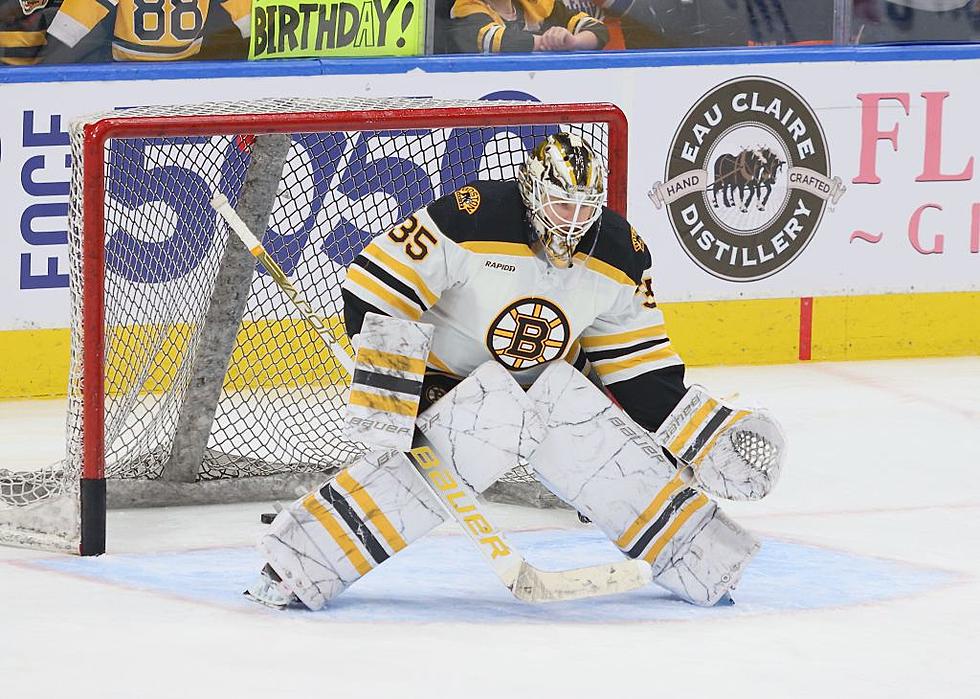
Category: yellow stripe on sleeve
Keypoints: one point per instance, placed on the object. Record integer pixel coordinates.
(575, 20)
(700, 415)
(604, 268)
(651, 332)
(378, 401)
(667, 492)
(18, 39)
(440, 365)
(685, 514)
(87, 13)
(330, 523)
(371, 510)
(498, 38)
(607, 368)
(386, 360)
(386, 261)
(382, 292)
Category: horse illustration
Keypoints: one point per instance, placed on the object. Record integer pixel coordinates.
(747, 174)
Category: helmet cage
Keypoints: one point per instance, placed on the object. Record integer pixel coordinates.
(561, 217)
(561, 206)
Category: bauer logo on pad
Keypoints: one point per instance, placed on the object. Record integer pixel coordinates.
(387, 382)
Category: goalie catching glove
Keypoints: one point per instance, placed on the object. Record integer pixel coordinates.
(734, 454)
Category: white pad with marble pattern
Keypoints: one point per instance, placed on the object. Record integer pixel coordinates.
(606, 466)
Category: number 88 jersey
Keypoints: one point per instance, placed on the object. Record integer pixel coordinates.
(147, 30)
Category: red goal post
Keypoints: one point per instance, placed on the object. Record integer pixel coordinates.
(139, 328)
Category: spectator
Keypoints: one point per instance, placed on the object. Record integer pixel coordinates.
(884, 21)
(145, 30)
(509, 26)
(23, 26)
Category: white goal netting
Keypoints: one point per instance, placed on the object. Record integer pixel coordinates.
(210, 380)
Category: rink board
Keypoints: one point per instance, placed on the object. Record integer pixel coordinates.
(442, 579)
(895, 246)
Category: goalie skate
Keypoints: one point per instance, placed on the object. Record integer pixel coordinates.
(269, 590)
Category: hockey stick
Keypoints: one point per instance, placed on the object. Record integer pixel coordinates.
(526, 582)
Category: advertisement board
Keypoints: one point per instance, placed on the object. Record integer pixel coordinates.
(749, 181)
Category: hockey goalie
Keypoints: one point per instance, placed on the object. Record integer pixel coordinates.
(515, 322)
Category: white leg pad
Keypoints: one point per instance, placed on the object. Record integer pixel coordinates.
(606, 466)
(323, 542)
(329, 538)
(709, 561)
(486, 425)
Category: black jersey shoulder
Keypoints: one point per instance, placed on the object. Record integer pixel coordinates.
(482, 211)
(615, 242)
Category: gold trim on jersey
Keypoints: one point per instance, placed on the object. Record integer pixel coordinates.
(653, 332)
(441, 365)
(606, 368)
(128, 53)
(361, 279)
(376, 254)
(371, 510)
(490, 247)
(312, 505)
(573, 22)
(604, 268)
(17, 39)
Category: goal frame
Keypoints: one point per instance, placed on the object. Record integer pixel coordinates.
(93, 501)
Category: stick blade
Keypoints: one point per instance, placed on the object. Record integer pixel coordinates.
(533, 585)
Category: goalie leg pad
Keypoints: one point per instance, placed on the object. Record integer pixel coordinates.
(734, 454)
(608, 468)
(486, 425)
(326, 540)
(329, 538)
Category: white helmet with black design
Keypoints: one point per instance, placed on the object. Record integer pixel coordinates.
(562, 183)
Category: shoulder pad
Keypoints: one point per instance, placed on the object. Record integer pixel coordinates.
(482, 211)
(620, 245)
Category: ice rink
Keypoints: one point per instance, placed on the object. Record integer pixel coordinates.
(866, 585)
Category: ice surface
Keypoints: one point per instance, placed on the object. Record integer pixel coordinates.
(866, 586)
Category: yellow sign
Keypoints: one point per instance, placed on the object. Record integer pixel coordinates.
(305, 29)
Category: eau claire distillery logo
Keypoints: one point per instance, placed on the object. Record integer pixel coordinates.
(748, 179)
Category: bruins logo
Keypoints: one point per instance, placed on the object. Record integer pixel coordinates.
(468, 199)
(637, 241)
(528, 332)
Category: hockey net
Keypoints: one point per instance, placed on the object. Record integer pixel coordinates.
(192, 378)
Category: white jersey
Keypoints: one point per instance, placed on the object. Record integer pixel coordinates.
(465, 264)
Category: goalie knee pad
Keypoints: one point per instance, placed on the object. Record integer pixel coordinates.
(329, 538)
(734, 454)
(486, 425)
(608, 468)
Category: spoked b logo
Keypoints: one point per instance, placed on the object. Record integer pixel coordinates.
(528, 332)
(748, 179)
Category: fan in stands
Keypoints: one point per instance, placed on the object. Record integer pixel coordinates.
(530, 286)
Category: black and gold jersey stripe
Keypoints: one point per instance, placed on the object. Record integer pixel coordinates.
(148, 30)
(23, 30)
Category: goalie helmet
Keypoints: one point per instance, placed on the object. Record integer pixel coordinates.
(562, 185)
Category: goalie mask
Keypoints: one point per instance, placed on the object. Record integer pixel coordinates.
(562, 186)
